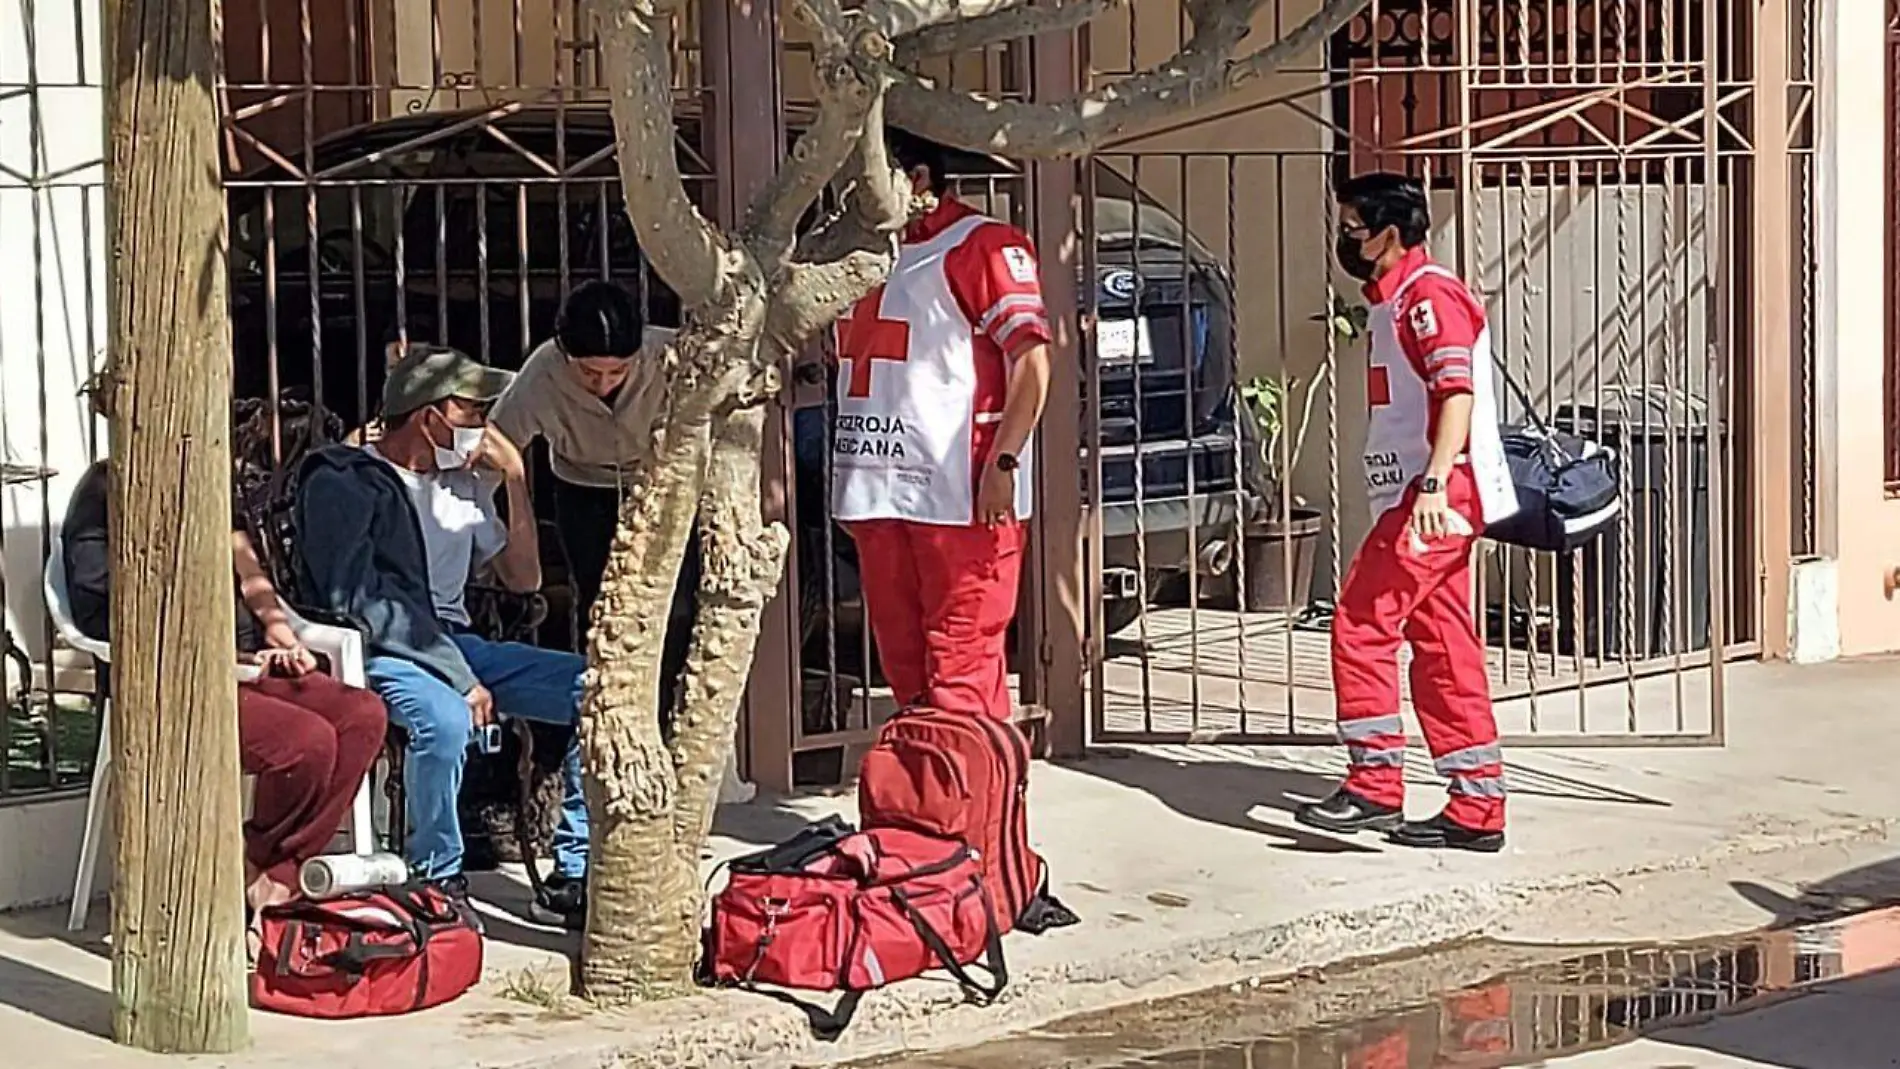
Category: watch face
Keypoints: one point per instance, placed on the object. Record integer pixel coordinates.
(1005, 462)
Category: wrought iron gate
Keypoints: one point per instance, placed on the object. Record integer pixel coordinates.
(1590, 164)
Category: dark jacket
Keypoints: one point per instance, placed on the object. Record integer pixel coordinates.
(87, 558)
(361, 557)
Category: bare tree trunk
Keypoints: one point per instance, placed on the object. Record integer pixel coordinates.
(752, 297)
(177, 894)
(640, 903)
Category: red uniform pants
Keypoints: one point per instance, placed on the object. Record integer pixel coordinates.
(939, 601)
(309, 742)
(1400, 591)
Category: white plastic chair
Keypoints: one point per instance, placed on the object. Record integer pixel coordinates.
(342, 646)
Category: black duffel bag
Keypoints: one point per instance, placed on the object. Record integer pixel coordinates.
(1569, 489)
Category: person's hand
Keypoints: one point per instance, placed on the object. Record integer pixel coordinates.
(279, 636)
(499, 453)
(1431, 516)
(293, 661)
(481, 707)
(996, 496)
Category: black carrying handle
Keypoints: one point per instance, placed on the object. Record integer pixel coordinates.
(992, 949)
(356, 957)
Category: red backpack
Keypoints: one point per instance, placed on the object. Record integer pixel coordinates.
(965, 778)
(837, 910)
(373, 954)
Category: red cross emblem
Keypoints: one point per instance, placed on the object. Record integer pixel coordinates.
(867, 338)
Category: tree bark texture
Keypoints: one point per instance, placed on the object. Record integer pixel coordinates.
(752, 299)
(177, 892)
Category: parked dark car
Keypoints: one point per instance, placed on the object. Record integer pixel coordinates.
(468, 227)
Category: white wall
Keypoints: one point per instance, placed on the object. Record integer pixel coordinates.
(52, 323)
(52, 296)
(39, 853)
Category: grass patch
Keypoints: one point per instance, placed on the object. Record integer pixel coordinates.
(543, 986)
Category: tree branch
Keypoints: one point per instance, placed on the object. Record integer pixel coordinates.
(970, 33)
(903, 17)
(851, 59)
(686, 251)
(813, 296)
(874, 203)
(1204, 68)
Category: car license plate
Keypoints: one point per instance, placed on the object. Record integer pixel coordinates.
(1124, 341)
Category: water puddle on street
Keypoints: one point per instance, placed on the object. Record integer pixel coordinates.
(1480, 1003)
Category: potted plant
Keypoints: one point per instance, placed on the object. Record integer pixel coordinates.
(1279, 538)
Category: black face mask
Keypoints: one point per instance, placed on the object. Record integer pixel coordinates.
(1352, 260)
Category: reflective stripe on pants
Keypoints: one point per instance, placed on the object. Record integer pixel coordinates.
(1396, 594)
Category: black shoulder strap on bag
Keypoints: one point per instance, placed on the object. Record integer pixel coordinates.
(993, 961)
(1523, 396)
(827, 1025)
(796, 853)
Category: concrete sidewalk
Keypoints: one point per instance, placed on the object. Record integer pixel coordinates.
(1187, 870)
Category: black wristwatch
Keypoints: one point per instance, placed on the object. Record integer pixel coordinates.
(1431, 484)
(1006, 462)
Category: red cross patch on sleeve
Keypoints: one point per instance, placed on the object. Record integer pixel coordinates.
(1424, 320)
(1021, 265)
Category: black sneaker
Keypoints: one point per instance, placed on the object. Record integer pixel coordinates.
(456, 888)
(1442, 833)
(1345, 812)
(566, 898)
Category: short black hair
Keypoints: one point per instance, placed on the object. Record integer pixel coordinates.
(600, 319)
(1384, 199)
(910, 152)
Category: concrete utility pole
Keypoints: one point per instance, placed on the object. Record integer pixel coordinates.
(177, 894)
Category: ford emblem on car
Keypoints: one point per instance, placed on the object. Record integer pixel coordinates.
(1119, 284)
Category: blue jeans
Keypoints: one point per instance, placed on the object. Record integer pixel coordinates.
(526, 681)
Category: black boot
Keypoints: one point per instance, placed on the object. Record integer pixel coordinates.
(1346, 812)
(566, 898)
(1442, 833)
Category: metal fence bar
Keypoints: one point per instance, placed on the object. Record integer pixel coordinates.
(1567, 164)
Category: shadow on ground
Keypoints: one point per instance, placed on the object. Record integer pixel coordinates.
(1226, 793)
(54, 998)
(506, 902)
(1228, 790)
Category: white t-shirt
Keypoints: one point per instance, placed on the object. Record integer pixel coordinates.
(460, 528)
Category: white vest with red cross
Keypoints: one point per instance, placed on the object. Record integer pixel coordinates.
(1399, 431)
(921, 385)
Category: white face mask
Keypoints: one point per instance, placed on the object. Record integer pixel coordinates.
(463, 442)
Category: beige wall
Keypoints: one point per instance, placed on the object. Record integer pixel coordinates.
(1853, 204)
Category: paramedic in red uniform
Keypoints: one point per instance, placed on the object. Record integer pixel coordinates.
(942, 376)
(1435, 474)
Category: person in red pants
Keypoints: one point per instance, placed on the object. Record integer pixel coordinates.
(942, 376)
(1435, 475)
(307, 737)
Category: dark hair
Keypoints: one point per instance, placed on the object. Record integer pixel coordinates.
(910, 152)
(301, 427)
(1384, 199)
(599, 319)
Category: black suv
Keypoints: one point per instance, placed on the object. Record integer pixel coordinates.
(468, 227)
